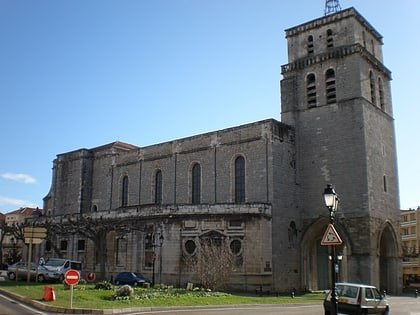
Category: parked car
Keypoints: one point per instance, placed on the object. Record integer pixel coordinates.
(131, 278)
(358, 299)
(36, 272)
(61, 266)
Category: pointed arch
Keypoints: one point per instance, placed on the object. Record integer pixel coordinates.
(315, 263)
(389, 258)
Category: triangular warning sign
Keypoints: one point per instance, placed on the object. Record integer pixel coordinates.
(331, 236)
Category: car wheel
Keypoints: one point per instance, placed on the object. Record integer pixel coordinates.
(41, 278)
(386, 311)
(12, 276)
(117, 282)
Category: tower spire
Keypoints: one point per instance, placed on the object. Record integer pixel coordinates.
(331, 6)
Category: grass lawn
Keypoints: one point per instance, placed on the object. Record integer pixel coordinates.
(86, 296)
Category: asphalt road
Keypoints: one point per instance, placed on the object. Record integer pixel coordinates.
(9, 306)
(399, 306)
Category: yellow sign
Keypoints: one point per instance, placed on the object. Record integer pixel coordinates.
(33, 241)
(34, 232)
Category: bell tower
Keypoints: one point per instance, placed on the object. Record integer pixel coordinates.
(336, 93)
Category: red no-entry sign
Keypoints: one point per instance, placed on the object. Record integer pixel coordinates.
(72, 277)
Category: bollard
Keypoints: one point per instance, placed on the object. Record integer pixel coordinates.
(293, 293)
(49, 294)
(416, 294)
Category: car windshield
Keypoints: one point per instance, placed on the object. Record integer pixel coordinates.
(54, 262)
(347, 291)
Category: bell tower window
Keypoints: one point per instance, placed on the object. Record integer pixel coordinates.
(311, 90)
(330, 86)
(330, 42)
(310, 45)
(372, 88)
(381, 94)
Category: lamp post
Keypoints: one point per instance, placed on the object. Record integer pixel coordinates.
(331, 202)
(160, 257)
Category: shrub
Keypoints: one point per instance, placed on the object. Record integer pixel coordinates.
(104, 285)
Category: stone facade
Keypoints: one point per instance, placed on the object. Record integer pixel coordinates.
(258, 187)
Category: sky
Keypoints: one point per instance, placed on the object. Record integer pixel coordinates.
(83, 73)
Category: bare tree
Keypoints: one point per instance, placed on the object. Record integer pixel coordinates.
(214, 264)
(95, 229)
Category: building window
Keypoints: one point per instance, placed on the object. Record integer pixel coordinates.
(310, 45)
(158, 187)
(190, 247)
(196, 183)
(381, 94)
(330, 42)
(63, 245)
(372, 88)
(330, 86)
(124, 192)
(81, 245)
(239, 180)
(311, 90)
(385, 187)
(236, 247)
(48, 246)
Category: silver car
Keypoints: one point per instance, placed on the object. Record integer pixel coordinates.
(36, 272)
(357, 299)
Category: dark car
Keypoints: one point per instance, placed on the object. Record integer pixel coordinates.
(131, 278)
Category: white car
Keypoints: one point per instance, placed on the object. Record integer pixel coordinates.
(357, 299)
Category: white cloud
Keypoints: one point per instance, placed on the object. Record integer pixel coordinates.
(21, 178)
(5, 201)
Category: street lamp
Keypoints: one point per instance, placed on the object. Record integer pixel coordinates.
(331, 202)
(160, 257)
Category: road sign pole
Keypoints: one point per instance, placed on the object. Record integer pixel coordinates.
(28, 276)
(71, 296)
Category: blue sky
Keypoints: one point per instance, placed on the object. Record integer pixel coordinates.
(82, 73)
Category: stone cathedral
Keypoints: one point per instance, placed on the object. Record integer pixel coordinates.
(257, 188)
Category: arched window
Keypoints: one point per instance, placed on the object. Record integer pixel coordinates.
(330, 86)
(372, 88)
(381, 94)
(310, 45)
(311, 90)
(124, 192)
(330, 42)
(196, 184)
(240, 180)
(158, 187)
